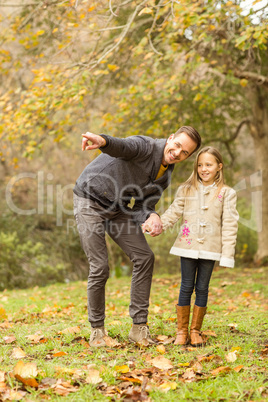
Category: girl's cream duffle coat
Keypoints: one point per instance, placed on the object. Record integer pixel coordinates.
(209, 224)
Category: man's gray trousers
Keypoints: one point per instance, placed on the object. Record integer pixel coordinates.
(93, 221)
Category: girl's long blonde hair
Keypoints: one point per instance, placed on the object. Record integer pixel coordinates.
(194, 179)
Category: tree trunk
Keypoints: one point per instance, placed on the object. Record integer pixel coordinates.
(259, 132)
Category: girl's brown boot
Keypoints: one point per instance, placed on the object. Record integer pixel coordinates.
(197, 320)
(183, 313)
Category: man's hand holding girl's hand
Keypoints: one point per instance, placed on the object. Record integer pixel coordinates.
(153, 225)
(96, 140)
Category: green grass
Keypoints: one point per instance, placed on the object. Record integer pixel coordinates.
(236, 297)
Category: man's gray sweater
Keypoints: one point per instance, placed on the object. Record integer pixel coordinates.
(126, 169)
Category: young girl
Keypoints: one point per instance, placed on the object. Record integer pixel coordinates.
(207, 234)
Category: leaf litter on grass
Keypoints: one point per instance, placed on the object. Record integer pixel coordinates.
(135, 370)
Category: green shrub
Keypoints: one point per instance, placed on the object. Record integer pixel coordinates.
(24, 264)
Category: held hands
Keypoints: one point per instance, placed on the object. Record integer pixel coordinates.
(96, 141)
(153, 225)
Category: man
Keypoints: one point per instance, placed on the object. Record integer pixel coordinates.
(138, 168)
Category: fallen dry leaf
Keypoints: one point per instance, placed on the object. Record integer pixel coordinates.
(30, 382)
(27, 370)
(131, 364)
(197, 367)
(11, 395)
(3, 314)
(143, 343)
(3, 387)
(238, 368)
(156, 309)
(135, 394)
(18, 353)
(189, 374)
(71, 371)
(26, 373)
(131, 377)
(264, 392)
(35, 338)
(169, 340)
(264, 352)
(166, 386)
(60, 353)
(2, 376)
(206, 358)
(162, 363)
(238, 348)
(209, 333)
(221, 370)
(111, 342)
(246, 294)
(161, 349)
(90, 366)
(233, 325)
(183, 364)
(46, 383)
(122, 369)
(172, 319)
(63, 388)
(93, 377)
(9, 339)
(70, 330)
(162, 338)
(231, 356)
(6, 325)
(84, 343)
(109, 391)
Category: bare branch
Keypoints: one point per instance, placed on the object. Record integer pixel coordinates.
(96, 30)
(32, 4)
(27, 19)
(111, 9)
(18, 5)
(227, 145)
(218, 73)
(261, 79)
(152, 27)
(238, 129)
(122, 36)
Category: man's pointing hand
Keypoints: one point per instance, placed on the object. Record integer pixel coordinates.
(96, 141)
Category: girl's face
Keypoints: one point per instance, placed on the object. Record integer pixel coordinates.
(207, 168)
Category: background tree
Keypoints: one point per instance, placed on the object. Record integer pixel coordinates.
(134, 67)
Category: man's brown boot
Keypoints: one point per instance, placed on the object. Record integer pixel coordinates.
(183, 313)
(197, 320)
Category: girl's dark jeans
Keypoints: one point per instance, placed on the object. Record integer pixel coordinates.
(195, 274)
